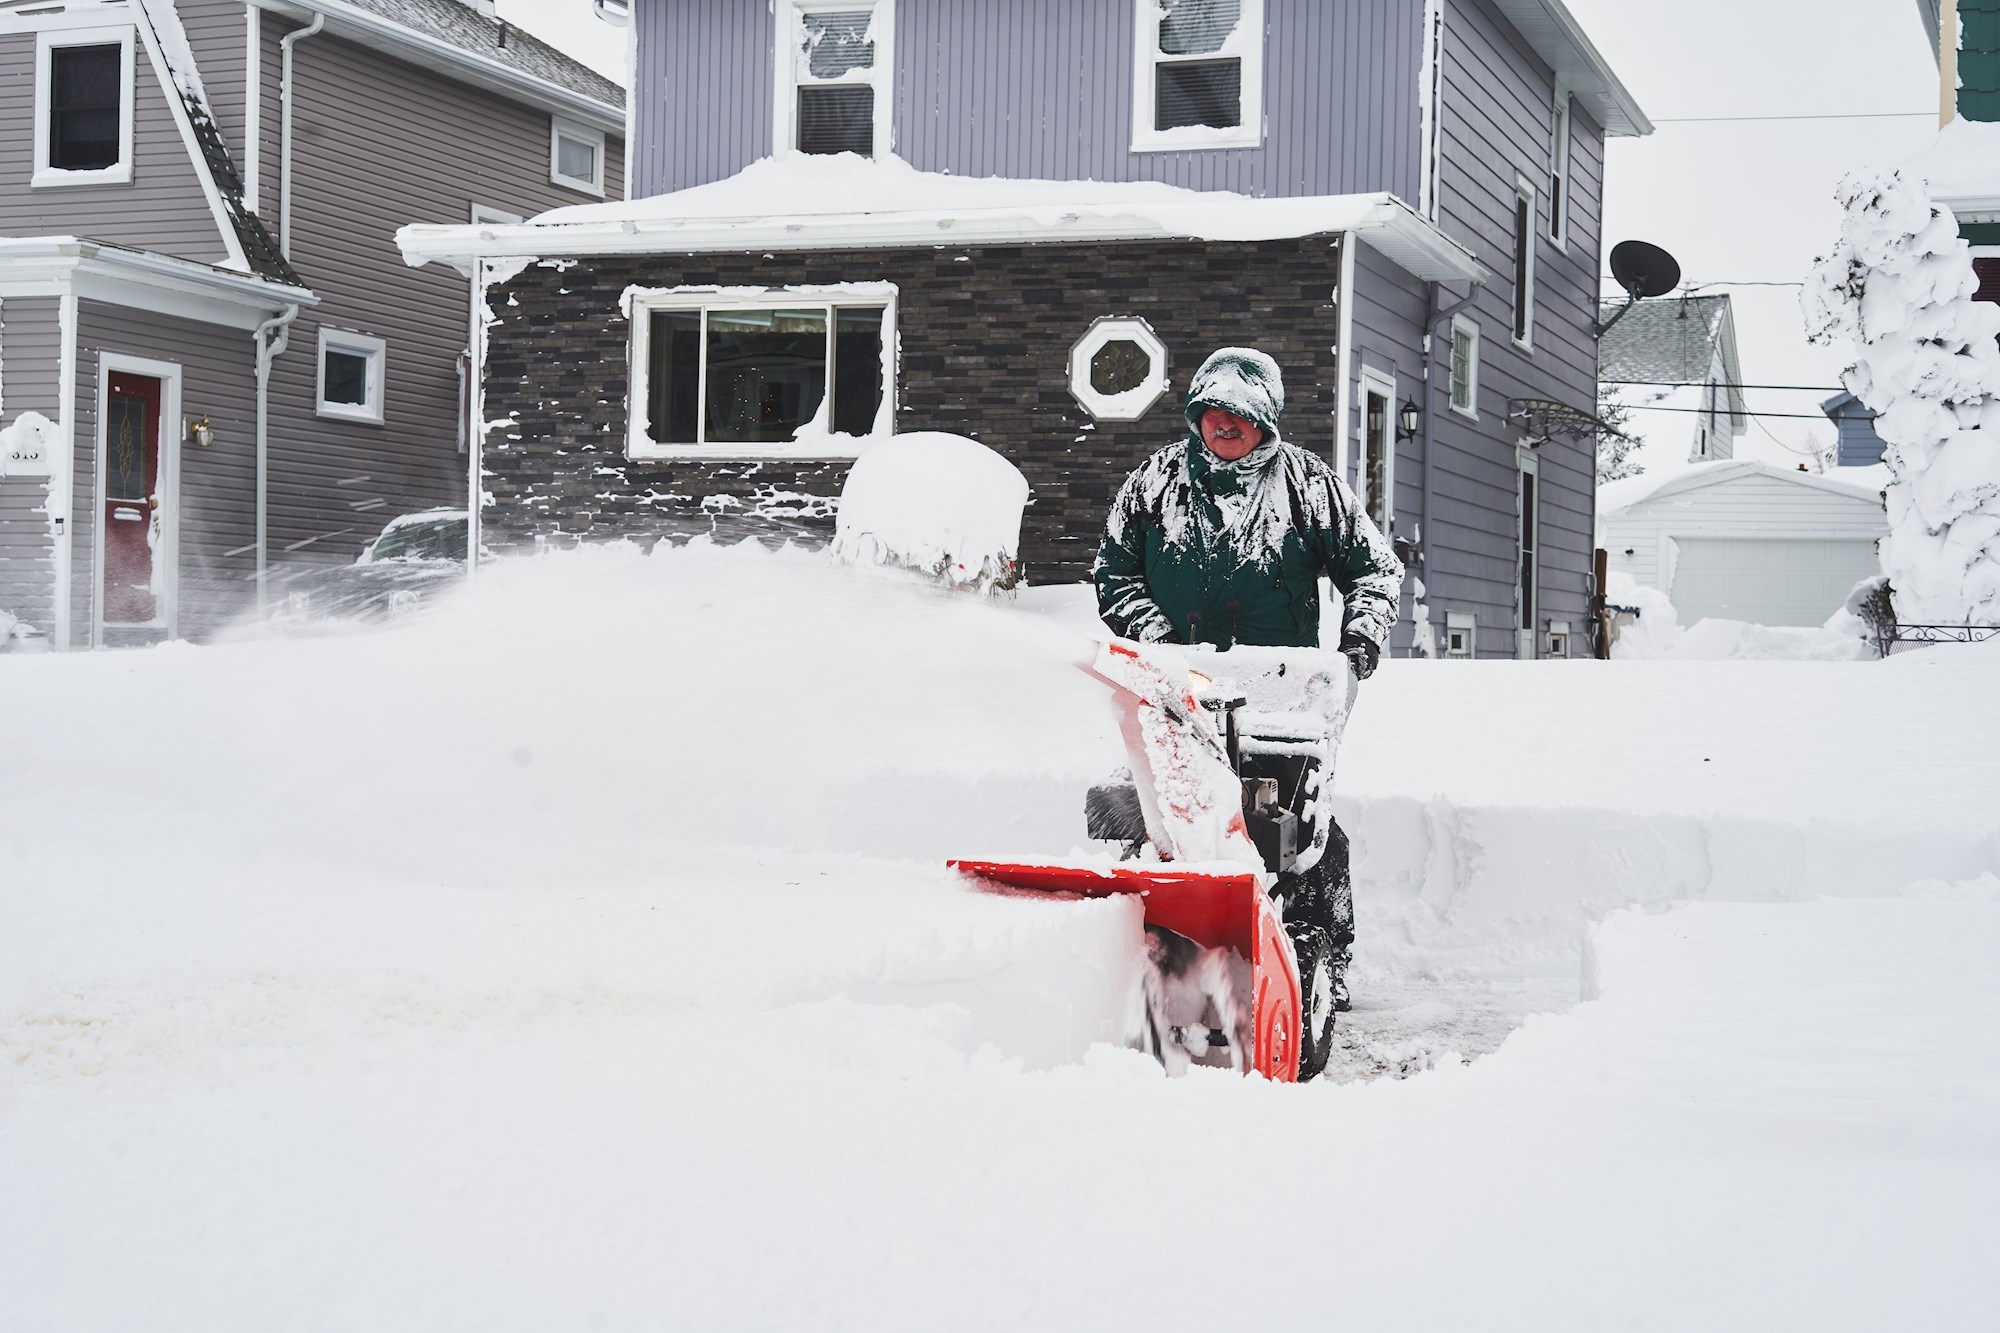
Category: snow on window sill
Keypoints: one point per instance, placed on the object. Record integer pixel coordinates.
(356, 412)
(53, 177)
(809, 448)
(1193, 137)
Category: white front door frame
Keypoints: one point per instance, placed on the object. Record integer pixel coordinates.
(1382, 384)
(1527, 551)
(166, 555)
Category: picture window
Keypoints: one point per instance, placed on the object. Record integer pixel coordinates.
(758, 376)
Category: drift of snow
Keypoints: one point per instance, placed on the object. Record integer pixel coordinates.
(583, 956)
(1900, 287)
(942, 505)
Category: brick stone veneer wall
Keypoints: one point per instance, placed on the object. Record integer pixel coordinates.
(985, 336)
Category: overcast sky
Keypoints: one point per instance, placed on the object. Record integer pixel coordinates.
(1735, 201)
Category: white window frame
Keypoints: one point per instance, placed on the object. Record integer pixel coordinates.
(46, 43)
(1134, 403)
(1461, 324)
(1559, 175)
(1382, 383)
(639, 308)
(1248, 47)
(1559, 638)
(1456, 621)
(1528, 555)
(880, 76)
(362, 344)
(560, 128)
(1521, 317)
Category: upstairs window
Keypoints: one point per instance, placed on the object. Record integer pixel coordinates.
(576, 156)
(1559, 172)
(83, 107)
(834, 58)
(1524, 262)
(350, 375)
(1198, 78)
(1464, 367)
(793, 371)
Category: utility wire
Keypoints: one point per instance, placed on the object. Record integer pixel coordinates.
(1703, 384)
(1725, 412)
(1836, 115)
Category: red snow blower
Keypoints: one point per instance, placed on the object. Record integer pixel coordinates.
(1228, 751)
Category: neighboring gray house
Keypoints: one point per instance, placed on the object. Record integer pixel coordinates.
(1859, 445)
(1685, 341)
(1032, 246)
(214, 366)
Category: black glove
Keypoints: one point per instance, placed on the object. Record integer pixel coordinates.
(1363, 652)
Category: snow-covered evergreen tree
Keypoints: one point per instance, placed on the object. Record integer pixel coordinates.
(1900, 286)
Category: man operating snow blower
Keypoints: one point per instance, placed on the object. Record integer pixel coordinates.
(1221, 539)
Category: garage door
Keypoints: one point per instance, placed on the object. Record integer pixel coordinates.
(1767, 581)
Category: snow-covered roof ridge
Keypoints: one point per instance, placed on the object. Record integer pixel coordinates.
(1962, 168)
(796, 201)
(1615, 496)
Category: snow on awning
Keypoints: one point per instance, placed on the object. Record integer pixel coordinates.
(800, 202)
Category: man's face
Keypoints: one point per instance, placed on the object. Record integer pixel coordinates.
(1227, 435)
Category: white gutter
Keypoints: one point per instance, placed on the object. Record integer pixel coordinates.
(372, 29)
(268, 351)
(59, 258)
(285, 100)
(1382, 220)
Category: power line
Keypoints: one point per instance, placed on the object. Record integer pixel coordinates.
(1724, 412)
(1703, 384)
(1837, 115)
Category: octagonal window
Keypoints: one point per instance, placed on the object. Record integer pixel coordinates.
(1118, 369)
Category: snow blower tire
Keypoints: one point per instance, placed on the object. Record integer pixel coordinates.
(1318, 1013)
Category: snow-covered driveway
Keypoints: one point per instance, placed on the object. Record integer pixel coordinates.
(583, 959)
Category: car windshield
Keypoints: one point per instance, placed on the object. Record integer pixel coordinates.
(431, 539)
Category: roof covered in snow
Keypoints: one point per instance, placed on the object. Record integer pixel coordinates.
(459, 40)
(1674, 340)
(797, 201)
(1860, 483)
(1962, 169)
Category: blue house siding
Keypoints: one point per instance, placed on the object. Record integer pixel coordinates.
(702, 109)
(1495, 122)
(1043, 89)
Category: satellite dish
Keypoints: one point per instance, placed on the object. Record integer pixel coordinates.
(1644, 270)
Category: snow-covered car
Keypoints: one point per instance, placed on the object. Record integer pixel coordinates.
(416, 557)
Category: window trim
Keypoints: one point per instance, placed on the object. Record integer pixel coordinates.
(377, 351)
(785, 74)
(1461, 620)
(46, 41)
(1522, 323)
(640, 304)
(559, 127)
(1559, 639)
(1461, 324)
(1248, 132)
(1124, 406)
(1559, 171)
(1382, 384)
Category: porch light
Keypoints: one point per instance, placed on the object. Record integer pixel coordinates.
(1408, 419)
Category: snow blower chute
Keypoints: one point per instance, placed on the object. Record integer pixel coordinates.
(1228, 752)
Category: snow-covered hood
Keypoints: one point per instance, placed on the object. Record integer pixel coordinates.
(1242, 380)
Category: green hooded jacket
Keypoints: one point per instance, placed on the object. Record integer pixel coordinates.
(1198, 550)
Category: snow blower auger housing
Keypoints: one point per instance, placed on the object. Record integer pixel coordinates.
(1227, 751)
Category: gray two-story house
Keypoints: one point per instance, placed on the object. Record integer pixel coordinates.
(1028, 221)
(215, 368)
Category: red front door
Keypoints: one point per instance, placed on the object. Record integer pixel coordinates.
(131, 499)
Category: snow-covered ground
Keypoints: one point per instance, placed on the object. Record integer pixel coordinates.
(582, 957)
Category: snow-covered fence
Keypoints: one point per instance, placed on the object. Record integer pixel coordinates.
(1900, 286)
(943, 506)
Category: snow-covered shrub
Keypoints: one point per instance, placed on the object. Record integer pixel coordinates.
(1900, 287)
(1869, 614)
(942, 506)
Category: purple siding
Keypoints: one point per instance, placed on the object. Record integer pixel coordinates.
(1043, 89)
(701, 97)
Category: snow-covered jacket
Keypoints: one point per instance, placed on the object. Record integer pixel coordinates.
(1201, 550)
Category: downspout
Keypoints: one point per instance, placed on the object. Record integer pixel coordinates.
(62, 493)
(285, 101)
(268, 351)
(1343, 354)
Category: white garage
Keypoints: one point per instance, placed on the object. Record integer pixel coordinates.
(1744, 540)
